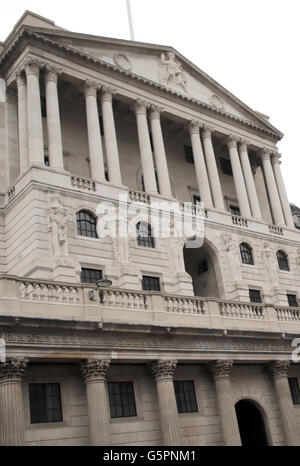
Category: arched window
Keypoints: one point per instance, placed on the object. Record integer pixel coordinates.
(283, 261)
(246, 254)
(86, 224)
(144, 235)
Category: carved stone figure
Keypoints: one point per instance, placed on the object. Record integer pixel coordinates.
(233, 257)
(58, 227)
(270, 263)
(121, 250)
(172, 72)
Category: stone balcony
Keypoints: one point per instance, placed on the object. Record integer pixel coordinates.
(43, 299)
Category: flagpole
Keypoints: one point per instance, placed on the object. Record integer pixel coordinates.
(130, 19)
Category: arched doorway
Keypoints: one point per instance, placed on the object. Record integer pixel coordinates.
(251, 424)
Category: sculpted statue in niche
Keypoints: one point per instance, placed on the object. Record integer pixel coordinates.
(233, 257)
(58, 227)
(270, 263)
(172, 74)
(121, 246)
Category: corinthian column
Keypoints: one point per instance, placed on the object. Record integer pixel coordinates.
(159, 152)
(279, 371)
(22, 122)
(53, 118)
(200, 167)
(94, 135)
(163, 372)
(221, 371)
(12, 421)
(110, 136)
(213, 174)
(272, 189)
(94, 373)
(238, 177)
(249, 180)
(34, 113)
(145, 147)
(282, 191)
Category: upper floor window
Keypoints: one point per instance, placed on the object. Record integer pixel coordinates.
(283, 260)
(292, 300)
(86, 224)
(144, 235)
(90, 275)
(255, 296)
(294, 389)
(235, 210)
(246, 254)
(188, 152)
(150, 283)
(226, 166)
(45, 403)
(196, 199)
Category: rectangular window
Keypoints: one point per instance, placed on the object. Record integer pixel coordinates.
(90, 275)
(46, 160)
(196, 199)
(45, 403)
(185, 396)
(234, 210)
(295, 391)
(226, 166)
(292, 299)
(189, 156)
(121, 399)
(255, 296)
(43, 107)
(150, 283)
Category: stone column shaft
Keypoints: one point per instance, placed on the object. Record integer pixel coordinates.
(221, 373)
(282, 192)
(212, 169)
(163, 372)
(200, 167)
(22, 122)
(12, 420)
(94, 373)
(145, 147)
(34, 114)
(272, 189)
(110, 136)
(238, 178)
(160, 153)
(249, 180)
(53, 120)
(94, 135)
(279, 371)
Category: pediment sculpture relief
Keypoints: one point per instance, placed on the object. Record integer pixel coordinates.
(171, 73)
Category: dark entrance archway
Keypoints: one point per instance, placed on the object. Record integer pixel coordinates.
(251, 424)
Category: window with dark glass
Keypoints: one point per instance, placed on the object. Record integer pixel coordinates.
(185, 396)
(283, 262)
(196, 199)
(150, 283)
(90, 275)
(226, 166)
(294, 389)
(43, 107)
(106, 175)
(292, 299)
(45, 403)
(188, 152)
(246, 254)
(46, 160)
(121, 399)
(234, 210)
(86, 224)
(255, 296)
(203, 266)
(144, 235)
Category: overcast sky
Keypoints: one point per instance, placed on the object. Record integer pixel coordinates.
(251, 47)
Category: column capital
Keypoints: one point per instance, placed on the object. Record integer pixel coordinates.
(141, 106)
(33, 66)
(94, 369)
(244, 143)
(276, 158)
(107, 93)
(194, 126)
(19, 77)
(221, 369)
(265, 153)
(90, 88)
(155, 111)
(207, 130)
(232, 141)
(163, 370)
(279, 369)
(12, 369)
(52, 72)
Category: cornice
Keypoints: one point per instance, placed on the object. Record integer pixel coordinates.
(274, 134)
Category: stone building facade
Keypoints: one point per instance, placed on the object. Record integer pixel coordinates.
(188, 346)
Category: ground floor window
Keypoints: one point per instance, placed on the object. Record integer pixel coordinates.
(185, 396)
(295, 391)
(121, 399)
(45, 403)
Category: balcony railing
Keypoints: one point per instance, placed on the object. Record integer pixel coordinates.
(239, 221)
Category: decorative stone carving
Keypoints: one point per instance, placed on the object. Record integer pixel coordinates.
(221, 369)
(233, 256)
(94, 370)
(123, 61)
(270, 263)
(279, 368)
(58, 227)
(12, 369)
(163, 370)
(171, 73)
(216, 102)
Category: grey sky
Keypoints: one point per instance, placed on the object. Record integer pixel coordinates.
(251, 47)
